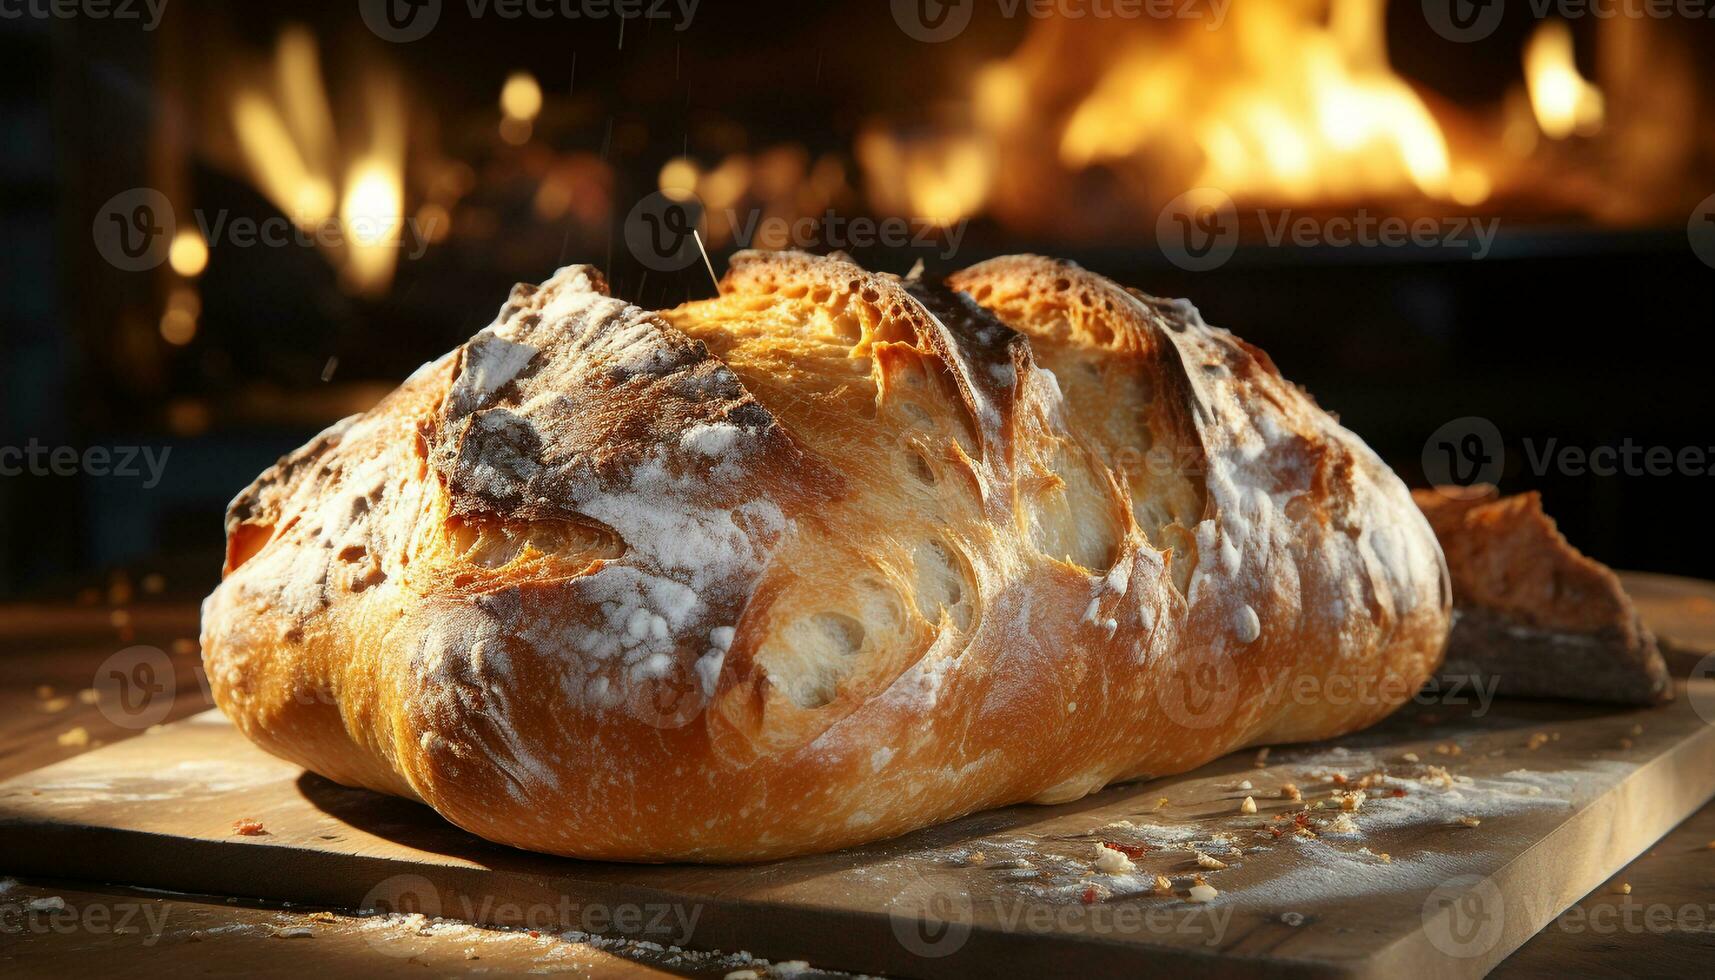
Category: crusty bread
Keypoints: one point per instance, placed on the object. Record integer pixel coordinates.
(1533, 615)
(822, 560)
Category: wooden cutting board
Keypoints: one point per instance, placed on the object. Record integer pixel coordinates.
(1562, 796)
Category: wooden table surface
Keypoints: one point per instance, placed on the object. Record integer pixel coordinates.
(65, 669)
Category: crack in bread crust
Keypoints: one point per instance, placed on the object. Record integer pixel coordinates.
(824, 559)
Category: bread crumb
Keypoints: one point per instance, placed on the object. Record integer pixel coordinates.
(1409, 757)
(975, 858)
(1161, 803)
(1205, 861)
(1537, 741)
(1469, 821)
(76, 738)
(1352, 801)
(248, 827)
(1202, 892)
(1248, 806)
(294, 932)
(1623, 888)
(1244, 784)
(1290, 792)
(1163, 885)
(54, 706)
(1448, 748)
(1343, 824)
(323, 917)
(1439, 777)
(1294, 919)
(1112, 862)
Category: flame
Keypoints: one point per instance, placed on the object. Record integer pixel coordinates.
(1285, 102)
(371, 212)
(942, 178)
(1275, 105)
(1563, 101)
(276, 162)
(286, 136)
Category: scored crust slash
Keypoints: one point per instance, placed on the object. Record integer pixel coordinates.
(830, 557)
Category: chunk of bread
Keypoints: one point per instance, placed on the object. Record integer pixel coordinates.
(1533, 615)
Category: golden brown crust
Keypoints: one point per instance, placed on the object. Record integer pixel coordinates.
(824, 559)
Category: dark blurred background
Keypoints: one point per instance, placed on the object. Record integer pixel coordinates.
(230, 225)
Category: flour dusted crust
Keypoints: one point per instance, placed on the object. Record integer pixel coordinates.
(825, 559)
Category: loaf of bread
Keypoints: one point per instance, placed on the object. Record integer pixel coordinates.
(822, 560)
